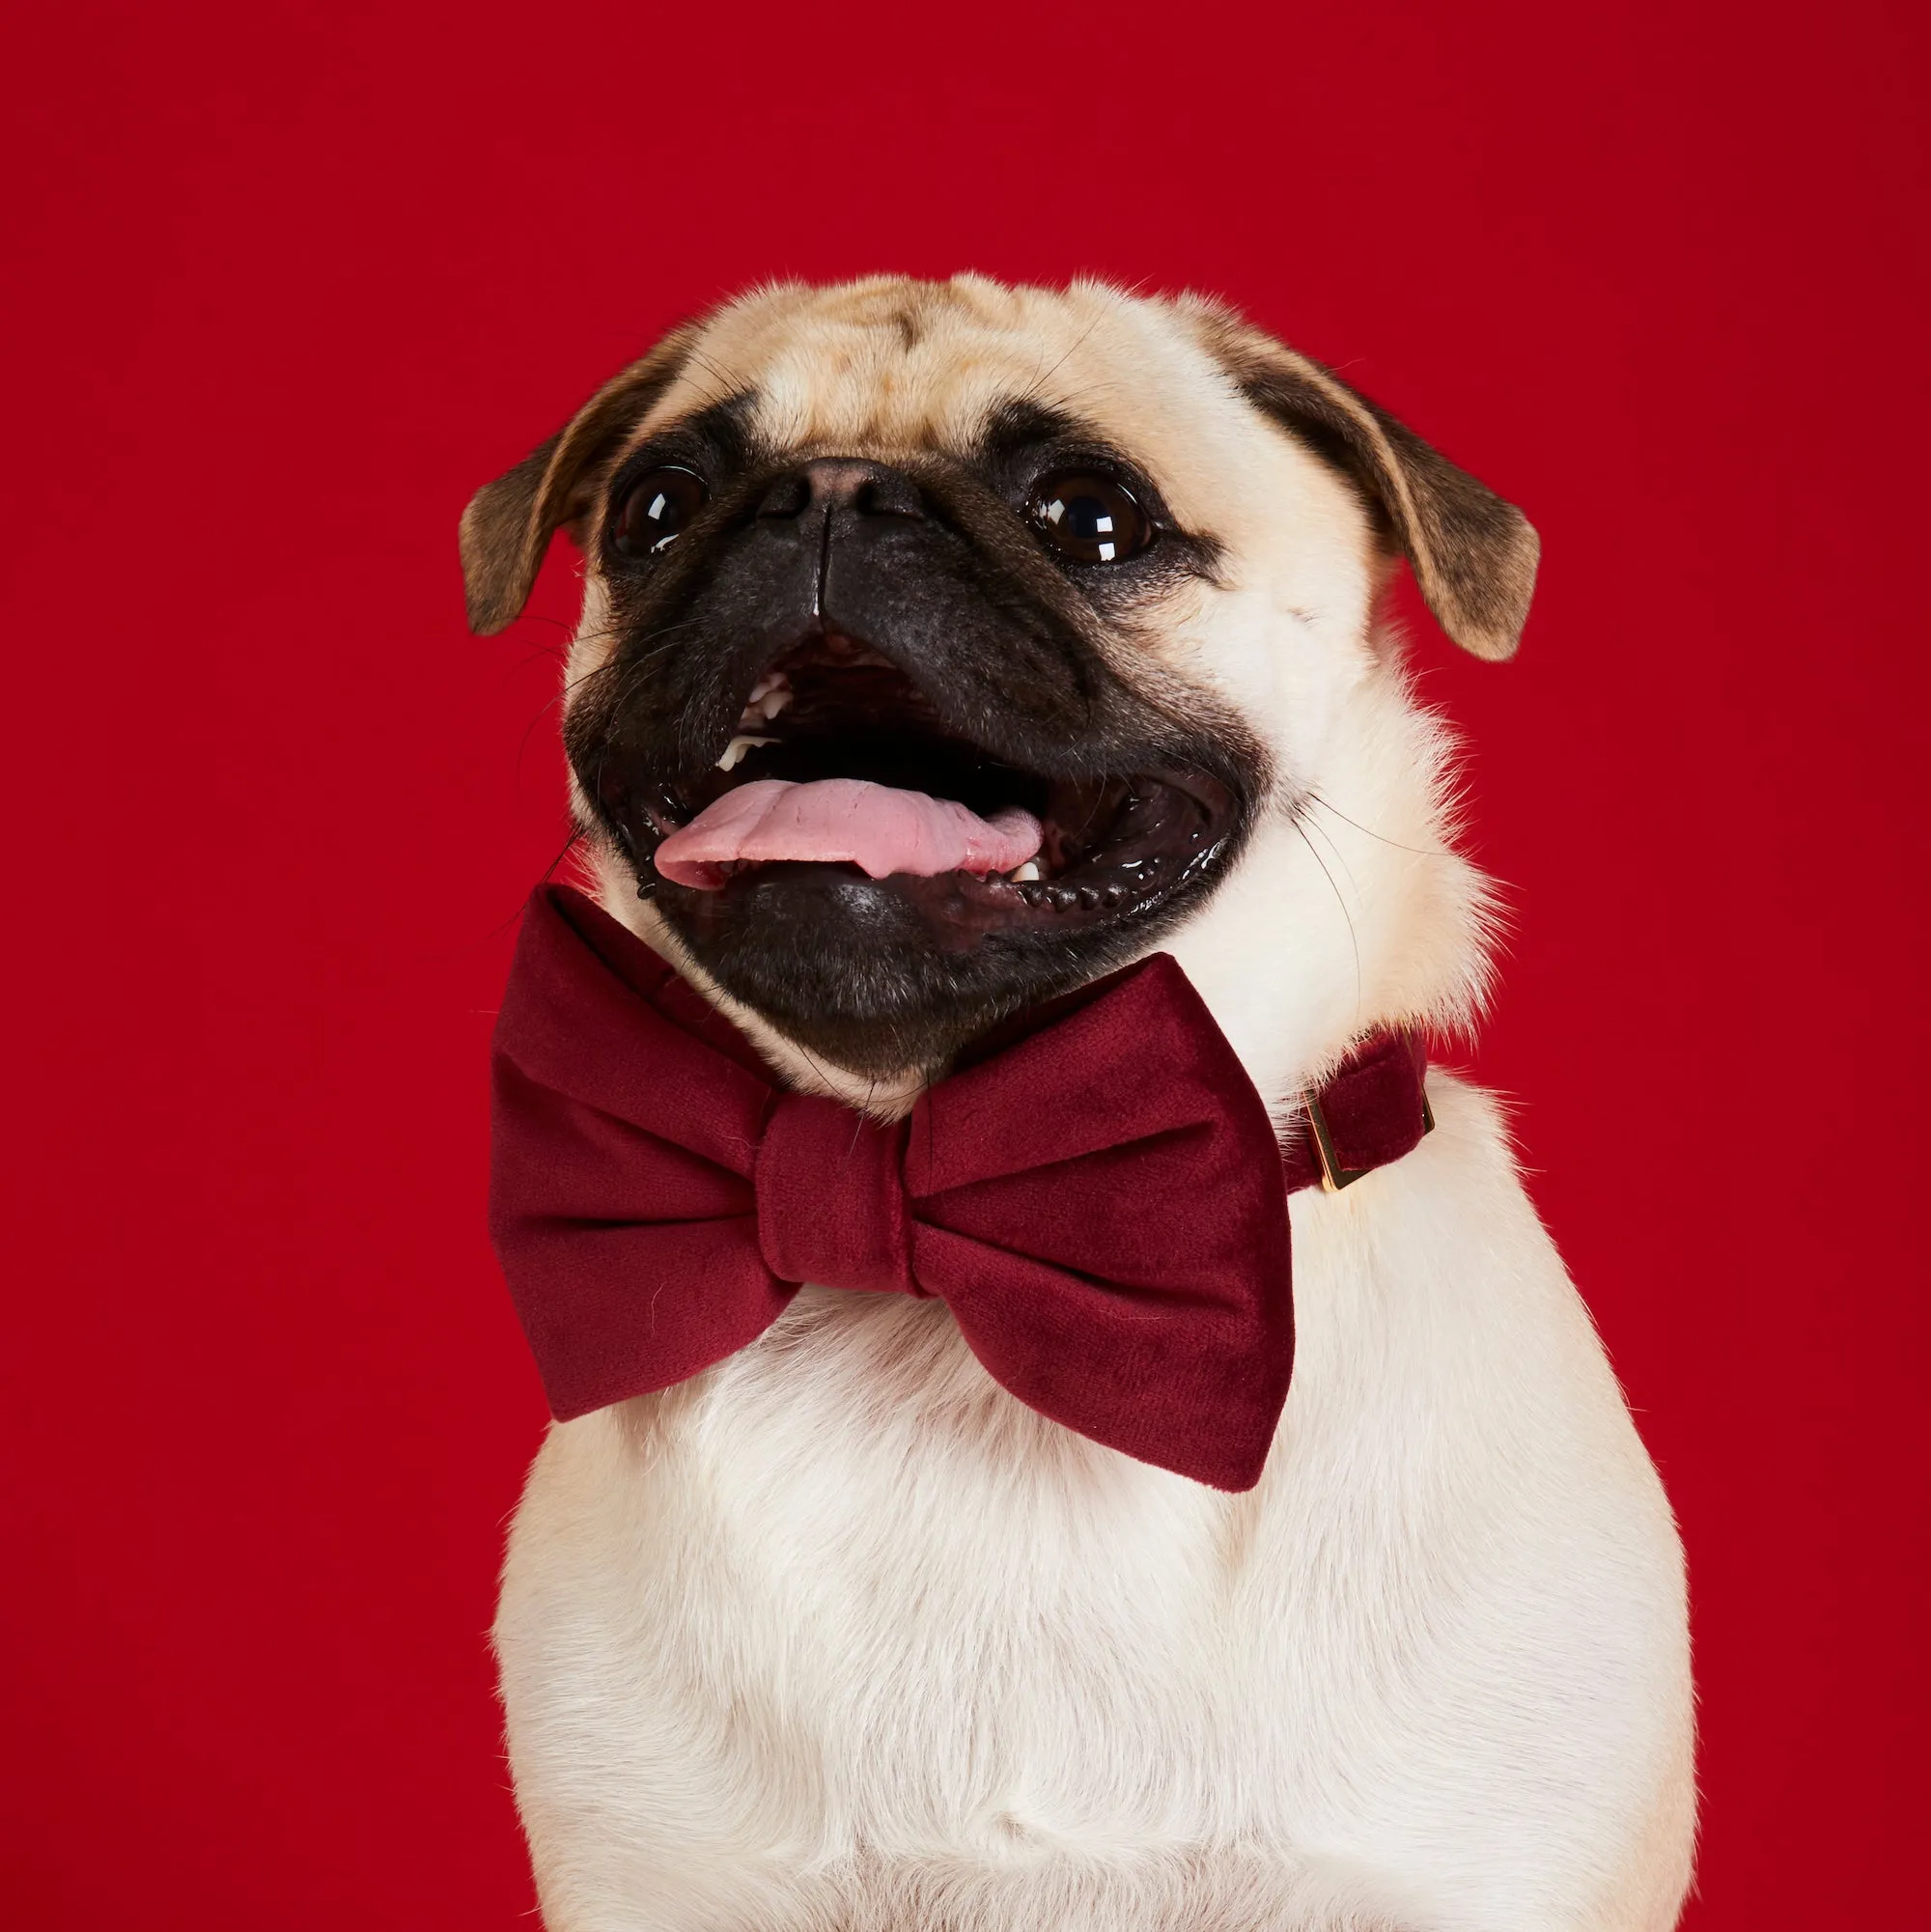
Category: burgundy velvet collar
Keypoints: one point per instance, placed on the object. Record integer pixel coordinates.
(1097, 1194)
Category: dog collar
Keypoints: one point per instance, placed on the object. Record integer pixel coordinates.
(1371, 1110)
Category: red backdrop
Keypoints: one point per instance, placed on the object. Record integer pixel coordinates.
(290, 281)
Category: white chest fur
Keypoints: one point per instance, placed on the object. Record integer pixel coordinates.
(839, 1635)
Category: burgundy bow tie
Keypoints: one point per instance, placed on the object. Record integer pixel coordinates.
(1101, 1202)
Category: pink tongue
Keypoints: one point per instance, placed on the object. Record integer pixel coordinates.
(845, 820)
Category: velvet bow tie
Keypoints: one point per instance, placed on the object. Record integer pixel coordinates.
(1100, 1201)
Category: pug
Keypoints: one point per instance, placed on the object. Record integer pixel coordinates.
(950, 653)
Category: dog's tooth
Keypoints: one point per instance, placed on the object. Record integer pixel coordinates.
(768, 683)
(736, 749)
(774, 701)
(1026, 874)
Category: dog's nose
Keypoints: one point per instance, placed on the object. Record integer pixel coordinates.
(854, 484)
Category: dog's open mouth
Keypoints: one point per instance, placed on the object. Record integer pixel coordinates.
(841, 769)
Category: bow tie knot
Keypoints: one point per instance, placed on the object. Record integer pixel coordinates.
(831, 1198)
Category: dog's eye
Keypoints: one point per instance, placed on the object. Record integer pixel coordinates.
(659, 506)
(1089, 517)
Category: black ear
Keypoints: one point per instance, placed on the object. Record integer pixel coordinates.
(1473, 555)
(509, 523)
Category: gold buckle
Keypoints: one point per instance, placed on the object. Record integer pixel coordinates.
(1334, 1176)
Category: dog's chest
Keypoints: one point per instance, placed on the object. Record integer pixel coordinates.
(850, 1575)
(849, 1540)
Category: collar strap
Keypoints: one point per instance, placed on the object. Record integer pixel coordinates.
(1371, 1110)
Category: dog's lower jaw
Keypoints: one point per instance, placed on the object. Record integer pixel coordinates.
(839, 1635)
(884, 1094)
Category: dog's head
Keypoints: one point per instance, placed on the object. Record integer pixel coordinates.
(1074, 593)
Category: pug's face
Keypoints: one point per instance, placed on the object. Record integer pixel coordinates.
(945, 644)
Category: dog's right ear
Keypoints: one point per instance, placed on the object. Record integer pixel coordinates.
(509, 523)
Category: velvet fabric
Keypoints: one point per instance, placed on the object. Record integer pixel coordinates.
(1099, 1197)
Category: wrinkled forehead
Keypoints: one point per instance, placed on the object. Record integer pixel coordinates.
(898, 366)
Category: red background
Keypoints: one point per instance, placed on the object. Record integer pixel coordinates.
(289, 282)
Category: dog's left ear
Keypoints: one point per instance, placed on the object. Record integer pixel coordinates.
(1473, 555)
(509, 523)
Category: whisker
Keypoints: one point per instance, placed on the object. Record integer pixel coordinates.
(570, 844)
(524, 663)
(1039, 382)
(540, 617)
(1353, 939)
(502, 925)
(556, 697)
(710, 368)
(1420, 851)
(1340, 857)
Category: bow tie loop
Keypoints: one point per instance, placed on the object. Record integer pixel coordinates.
(831, 1201)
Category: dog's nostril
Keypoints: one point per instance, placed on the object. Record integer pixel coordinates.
(888, 492)
(787, 496)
